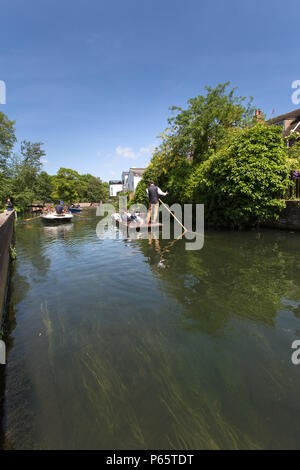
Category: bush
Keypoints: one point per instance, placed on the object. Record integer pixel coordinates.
(243, 182)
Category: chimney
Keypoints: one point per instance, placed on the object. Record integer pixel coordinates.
(258, 115)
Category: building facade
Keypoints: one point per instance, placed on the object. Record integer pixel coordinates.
(134, 177)
(115, 187)
(289, 122)
(125, 180)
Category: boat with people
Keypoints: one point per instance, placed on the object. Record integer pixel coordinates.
(134, 221)
(75, 208)
(59, 214)
(53, 217)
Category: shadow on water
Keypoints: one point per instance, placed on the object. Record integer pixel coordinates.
(18, 288)
(8, 326)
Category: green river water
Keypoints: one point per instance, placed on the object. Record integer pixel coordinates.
(140, 344)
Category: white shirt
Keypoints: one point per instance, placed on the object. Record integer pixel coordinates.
(160, 192)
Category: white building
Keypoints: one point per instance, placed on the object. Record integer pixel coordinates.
(125, 180)
(134, 177)
(115, 187)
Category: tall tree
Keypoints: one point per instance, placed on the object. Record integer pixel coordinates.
(24, 169)
(44, 187)
(65, 185)
(194, 134)
(200, 129)
(7, 139)
(31, 153)
(91, 189)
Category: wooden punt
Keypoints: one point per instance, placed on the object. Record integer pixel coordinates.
(138, 226)
(75, 209)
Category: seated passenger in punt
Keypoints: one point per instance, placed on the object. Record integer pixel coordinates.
(60, 208)
(116, 216)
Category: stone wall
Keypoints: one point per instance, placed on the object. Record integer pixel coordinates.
(289, 218)
(6, 239)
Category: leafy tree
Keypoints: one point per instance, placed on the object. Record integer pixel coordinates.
(294, 155)
(23, 170)
(65, 191)
(65, 185)
(201, 128)
(243, 182)
(71, 186)
(194, 135)
(7, 139)
(32, 153)
(67, 174)
(214, 153)
(106, 190)
(21, 177)
(95, 189)
(5, 189)
(44, 187)
(90, 188)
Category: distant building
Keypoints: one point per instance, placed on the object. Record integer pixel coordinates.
(134, 177)
(115, 187)
(290, 122)
(125, 180)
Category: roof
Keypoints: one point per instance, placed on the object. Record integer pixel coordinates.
(115, 182)
(137, 171)
(293, 117)
(283, 117)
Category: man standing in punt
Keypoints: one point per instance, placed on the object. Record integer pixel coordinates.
(153, 193)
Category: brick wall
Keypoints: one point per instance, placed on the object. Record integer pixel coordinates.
(6, 238)
(289, 218)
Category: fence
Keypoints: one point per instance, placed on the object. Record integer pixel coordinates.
(294, 190)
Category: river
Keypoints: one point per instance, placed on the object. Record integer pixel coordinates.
(140, 344)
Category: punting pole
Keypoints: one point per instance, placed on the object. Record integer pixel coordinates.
(175, 217)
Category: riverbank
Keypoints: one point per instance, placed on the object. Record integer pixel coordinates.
(6, 239)
(289, 217)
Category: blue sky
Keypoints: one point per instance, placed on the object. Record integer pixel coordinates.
(93, 79)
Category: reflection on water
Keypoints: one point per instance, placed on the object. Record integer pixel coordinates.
(139, 344)
(59, 231)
